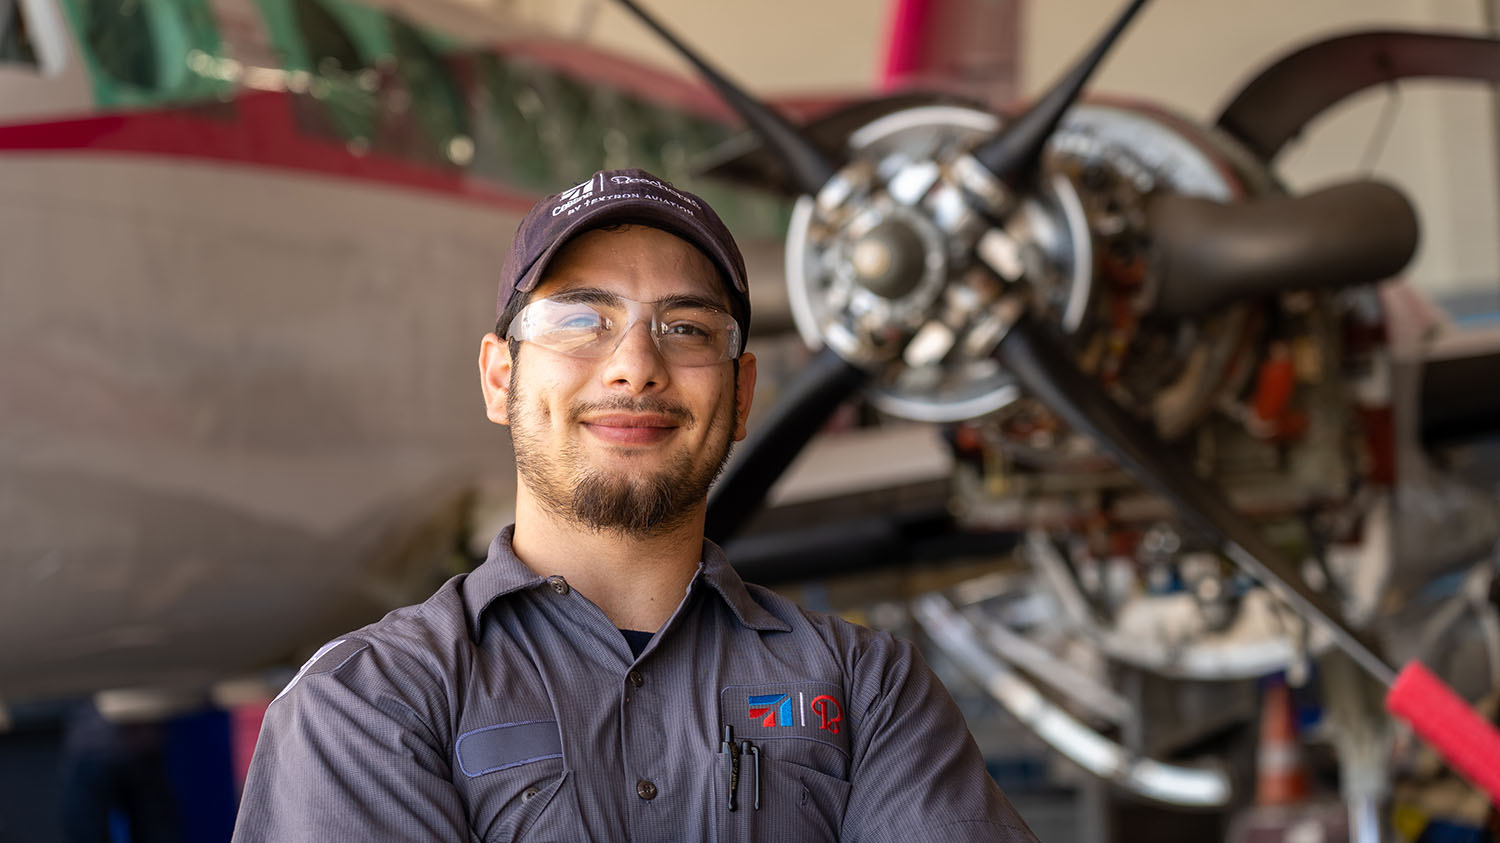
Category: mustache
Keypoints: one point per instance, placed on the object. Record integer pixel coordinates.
(644, 404)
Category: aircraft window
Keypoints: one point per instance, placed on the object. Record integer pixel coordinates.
(123, 41)
(434, 98)
(15, 41)
(655, 135)
(507, 121)
(576, 125)
(148, 51)
(331, 50)
(616, 131)
(744, 211)
(343, 94)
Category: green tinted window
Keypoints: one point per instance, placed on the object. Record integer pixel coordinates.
(655, 136)
(15, 42)
(148, 52)
(331, 51)
(377, 81)
(435, 98)
(345, 83)
(123, 42)
(578, 127)
(507, 125)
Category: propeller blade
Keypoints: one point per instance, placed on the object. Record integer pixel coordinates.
(744, 158)
(1012, 155)
(806, 403)
(806, 166)
(1044, 368)
(1206, 254)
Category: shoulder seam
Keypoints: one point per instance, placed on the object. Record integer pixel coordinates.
(316, 657)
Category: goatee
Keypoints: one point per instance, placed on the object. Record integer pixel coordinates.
(640, 506)
(650, 503)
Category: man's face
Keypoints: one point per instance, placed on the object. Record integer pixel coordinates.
(625, 442)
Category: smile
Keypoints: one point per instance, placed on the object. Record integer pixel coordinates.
(631, 429)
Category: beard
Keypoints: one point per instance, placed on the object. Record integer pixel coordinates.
(646, 503)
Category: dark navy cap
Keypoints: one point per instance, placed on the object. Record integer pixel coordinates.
(616, 197)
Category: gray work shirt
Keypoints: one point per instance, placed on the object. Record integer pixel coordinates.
(508, 707)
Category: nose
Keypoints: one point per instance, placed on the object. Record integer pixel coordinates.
(636, 364)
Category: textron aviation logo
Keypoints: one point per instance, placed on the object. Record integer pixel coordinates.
(772, 709)
(777, 710)
(570, 197)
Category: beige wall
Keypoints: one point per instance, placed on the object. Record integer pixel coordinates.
(1192, 54)
(776, 46)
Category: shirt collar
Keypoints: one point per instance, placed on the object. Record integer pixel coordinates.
(721, 576)
(503, 573)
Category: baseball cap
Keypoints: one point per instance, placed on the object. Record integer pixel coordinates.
(615, 197)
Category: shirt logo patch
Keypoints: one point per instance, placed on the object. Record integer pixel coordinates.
(828, 709)
(771, 709)
(792, 709)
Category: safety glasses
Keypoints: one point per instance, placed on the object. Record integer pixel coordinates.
(687, 333)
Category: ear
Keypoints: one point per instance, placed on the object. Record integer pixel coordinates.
(494, 377)
(744, 393)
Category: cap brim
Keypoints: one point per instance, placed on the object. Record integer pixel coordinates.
(640, 212)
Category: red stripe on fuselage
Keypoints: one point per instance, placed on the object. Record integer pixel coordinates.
(255, 129)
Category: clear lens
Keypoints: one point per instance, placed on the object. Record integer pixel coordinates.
(686, 335)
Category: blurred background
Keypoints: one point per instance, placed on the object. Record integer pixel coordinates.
(248, 249)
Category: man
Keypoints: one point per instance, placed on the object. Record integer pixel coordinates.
(605, 675)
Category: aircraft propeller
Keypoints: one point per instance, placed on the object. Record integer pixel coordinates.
(1012, 157)
(806, 164)
(828, 380)
(889, 258)
(910, 232)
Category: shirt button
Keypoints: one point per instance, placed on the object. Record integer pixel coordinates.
(635, 679)
(558, 584)
(645, 789)
(529, 794)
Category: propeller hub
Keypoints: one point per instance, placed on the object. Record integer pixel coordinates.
(901, 262)
(889, 260)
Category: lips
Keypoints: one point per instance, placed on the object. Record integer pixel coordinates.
(631, 428)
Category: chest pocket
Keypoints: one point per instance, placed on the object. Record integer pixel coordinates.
(798, 765)
(509, 774)
(796, 801)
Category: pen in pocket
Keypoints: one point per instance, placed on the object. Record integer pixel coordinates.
(728, 745)
(750, 749)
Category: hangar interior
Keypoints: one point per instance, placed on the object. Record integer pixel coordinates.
(1168, 441)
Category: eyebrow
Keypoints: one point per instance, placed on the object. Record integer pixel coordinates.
(595, 295)
(689, 300)
(587, 295)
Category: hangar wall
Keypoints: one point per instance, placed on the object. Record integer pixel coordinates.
(774, 46)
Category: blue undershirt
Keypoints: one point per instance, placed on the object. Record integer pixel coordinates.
(637, 640)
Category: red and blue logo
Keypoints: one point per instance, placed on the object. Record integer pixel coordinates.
(772, 709)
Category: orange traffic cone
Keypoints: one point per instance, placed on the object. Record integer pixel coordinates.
(1281, 777)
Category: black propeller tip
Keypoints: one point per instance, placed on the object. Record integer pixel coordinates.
(807, 167)
(1014, 155)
